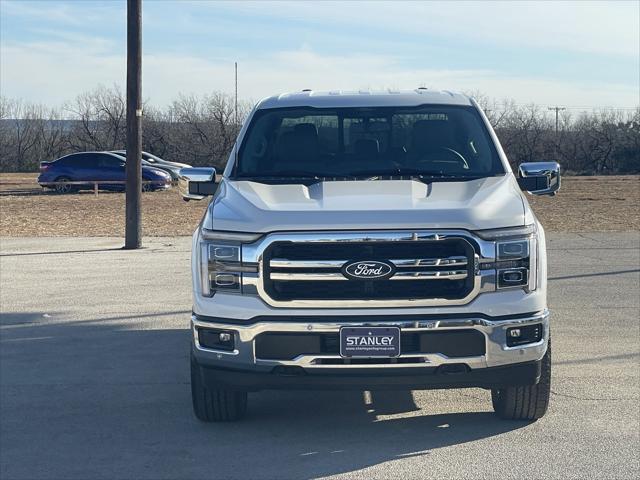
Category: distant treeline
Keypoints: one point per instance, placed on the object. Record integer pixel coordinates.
(201, 130)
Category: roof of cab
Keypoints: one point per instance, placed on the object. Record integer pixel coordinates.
(365, 98)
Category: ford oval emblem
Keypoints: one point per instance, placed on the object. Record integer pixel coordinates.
(368, 270)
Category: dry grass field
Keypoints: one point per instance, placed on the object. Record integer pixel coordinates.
(584, 204)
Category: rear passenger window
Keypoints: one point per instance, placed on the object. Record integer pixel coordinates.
(324, 127)
(76, 161)
(90, 160)
(107, 161)
(358, 131)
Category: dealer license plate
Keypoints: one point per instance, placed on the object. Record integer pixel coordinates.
(370, 341)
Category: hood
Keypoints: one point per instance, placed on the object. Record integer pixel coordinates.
(154, 171)
(177, 165)
(181, 165)
(244, 206)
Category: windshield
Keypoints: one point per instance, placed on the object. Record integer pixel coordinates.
(437, 141)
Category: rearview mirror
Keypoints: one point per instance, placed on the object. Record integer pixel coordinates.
(196, 183)
(539, 178)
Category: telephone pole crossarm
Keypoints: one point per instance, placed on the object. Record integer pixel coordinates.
(557, 110)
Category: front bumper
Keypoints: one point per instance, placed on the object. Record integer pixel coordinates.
(500, 365)
(425, 378)
(160, 184)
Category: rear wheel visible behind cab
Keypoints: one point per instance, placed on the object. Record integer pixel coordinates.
(529, 402)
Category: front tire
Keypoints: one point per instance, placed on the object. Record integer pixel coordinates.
(529, 402)
(212, 404)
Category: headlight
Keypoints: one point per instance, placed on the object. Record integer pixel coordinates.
(516, 262)
(220, 259)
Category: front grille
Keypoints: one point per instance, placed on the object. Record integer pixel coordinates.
(451, 343)
(442, 269)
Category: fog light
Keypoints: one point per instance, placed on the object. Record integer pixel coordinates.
(522, 335)
(215, 339)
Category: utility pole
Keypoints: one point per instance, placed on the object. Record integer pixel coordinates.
(557, 109)
(133, 226)
(236, 105)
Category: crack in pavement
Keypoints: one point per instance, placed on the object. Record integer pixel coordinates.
(571, 249)
(90, 384)
(575, 397)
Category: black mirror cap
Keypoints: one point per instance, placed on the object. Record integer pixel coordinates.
(532, 184)
(197, 183)
(539, 178)
(202, 188)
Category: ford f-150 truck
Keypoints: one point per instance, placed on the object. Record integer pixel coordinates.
(369, 241)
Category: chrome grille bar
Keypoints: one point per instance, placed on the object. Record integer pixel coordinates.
(284, 263)
(442, 275)
(431, 262)
(404, 262)
(303, 276)
(307, 276)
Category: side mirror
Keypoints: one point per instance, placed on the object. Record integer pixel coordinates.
(196, 183)
(539, 178)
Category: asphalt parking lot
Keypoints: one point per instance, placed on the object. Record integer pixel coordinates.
(94, 381)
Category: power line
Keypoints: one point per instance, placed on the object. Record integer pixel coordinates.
(599, 107)
(577, 107)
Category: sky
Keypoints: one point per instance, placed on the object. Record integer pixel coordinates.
(575, 54)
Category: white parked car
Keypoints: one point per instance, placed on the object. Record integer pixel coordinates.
(366, 241)
(150, 160)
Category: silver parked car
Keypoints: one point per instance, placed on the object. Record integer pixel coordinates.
(172, 168)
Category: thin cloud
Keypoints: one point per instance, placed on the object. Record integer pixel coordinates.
(191, 46)
(605, 27)
(164, 75)
(76, 13)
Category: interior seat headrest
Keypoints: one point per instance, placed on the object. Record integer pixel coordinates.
(431, 134)
(306, 129)
(366, 147)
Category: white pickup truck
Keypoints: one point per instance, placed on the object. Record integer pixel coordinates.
(369, 241)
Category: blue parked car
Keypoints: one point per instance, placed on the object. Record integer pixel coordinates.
(96, 166)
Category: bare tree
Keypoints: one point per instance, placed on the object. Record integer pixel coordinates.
(51, 133)
(201, 130)
(207, 129)
(101, 115)
(21, 120)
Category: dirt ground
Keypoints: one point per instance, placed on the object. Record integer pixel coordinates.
(584, 204)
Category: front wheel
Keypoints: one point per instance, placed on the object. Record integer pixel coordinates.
(529, 402)
(212, 404)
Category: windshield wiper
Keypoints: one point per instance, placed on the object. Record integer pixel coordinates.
(285, 174)
(395, 172)
(415, 173)
(309, 178)
(294, 177)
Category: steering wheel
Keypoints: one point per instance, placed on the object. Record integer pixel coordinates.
(450, 155)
